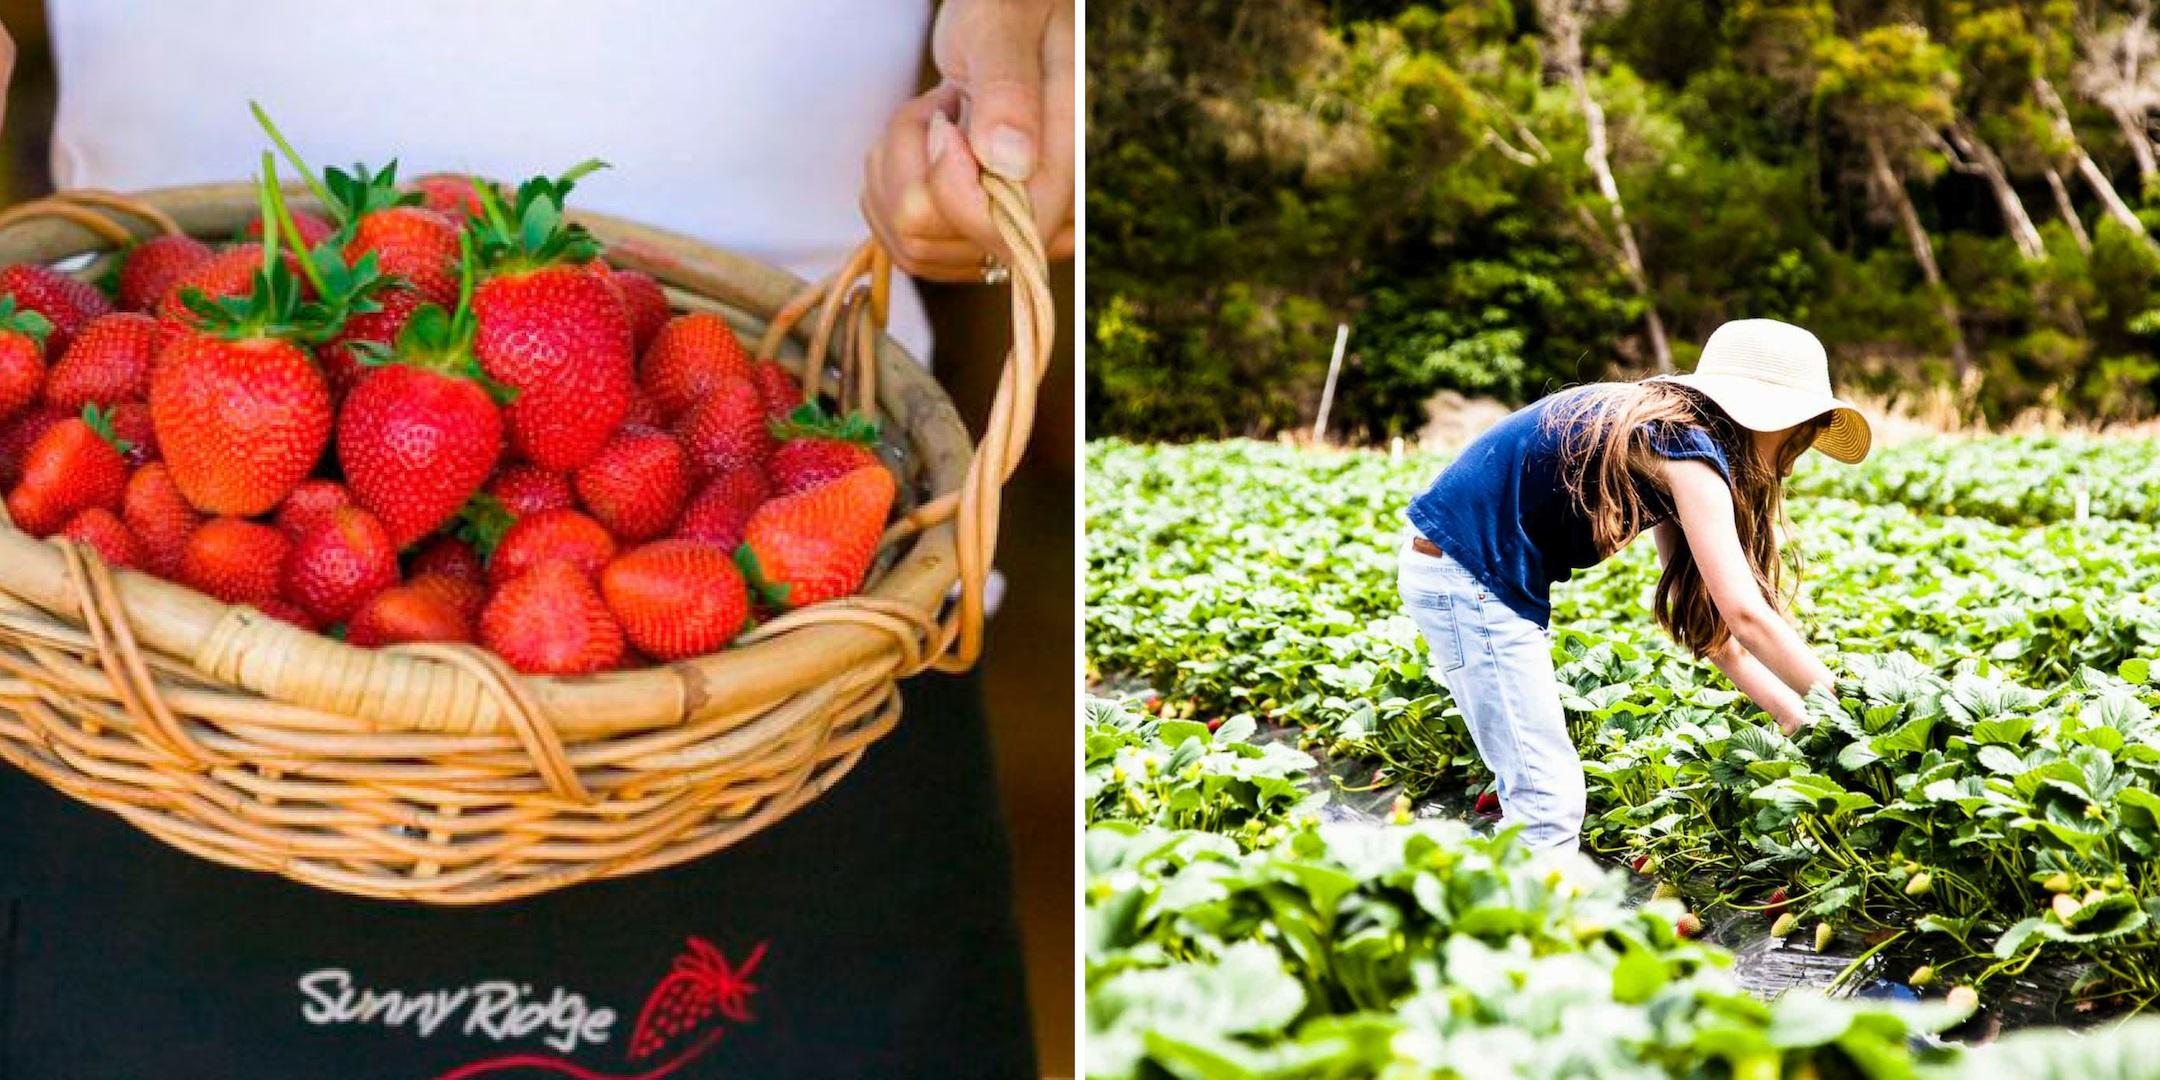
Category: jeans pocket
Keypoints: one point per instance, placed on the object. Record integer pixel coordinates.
(1434, 613)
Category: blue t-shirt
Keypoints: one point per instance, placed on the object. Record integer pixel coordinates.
(1502, 511)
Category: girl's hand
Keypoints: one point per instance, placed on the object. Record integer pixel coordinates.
(1006, 105)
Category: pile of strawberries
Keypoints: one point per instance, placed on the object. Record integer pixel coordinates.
(431, 415)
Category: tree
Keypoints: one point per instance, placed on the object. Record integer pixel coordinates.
(2119, 67)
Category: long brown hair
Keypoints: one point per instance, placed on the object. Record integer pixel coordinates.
(1607, 463)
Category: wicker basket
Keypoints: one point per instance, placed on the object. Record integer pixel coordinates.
(435, 773)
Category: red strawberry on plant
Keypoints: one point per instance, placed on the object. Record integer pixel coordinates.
(73, 466)
(528, 489)
(160, 517)
(637, 484)
(1777, 904)
(235, 560)
(338, 563)
(551, 536)
(67, 303)
(22, 358)
(690, 356)
(779, 391)
(149, 269)
(550, 329)
(646, 303)
(242, 412)
(817, 449)
(17, 436)
(550, 620)
(407, 613)
(102, 531)
(107, 364)
(420, 433)
(720, 512)
(676, 598)
(450, 557)
(727, 431)
(1487, 803)
(312, 502)
(817, 545)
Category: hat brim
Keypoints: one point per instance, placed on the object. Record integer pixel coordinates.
(1762, 406)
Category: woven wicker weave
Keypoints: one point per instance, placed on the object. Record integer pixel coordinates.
(434, 773)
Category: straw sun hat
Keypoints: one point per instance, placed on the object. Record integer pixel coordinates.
(1769, 375)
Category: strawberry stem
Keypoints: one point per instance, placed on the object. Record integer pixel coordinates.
(307, 175)
(284, 216)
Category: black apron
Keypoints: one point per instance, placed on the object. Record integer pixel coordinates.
(869, 934)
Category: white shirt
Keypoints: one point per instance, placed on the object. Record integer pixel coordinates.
(741, 123)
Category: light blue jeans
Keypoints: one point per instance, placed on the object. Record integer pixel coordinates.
(1499, 668)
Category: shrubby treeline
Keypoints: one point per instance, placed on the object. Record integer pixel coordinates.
(1504, 196)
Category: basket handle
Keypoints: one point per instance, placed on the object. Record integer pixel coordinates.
(852, 305)
(93, 209)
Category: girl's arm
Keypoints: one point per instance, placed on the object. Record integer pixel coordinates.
(1705, 510)
(1739, 665)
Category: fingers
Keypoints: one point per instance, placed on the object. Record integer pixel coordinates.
(897, 199)
(992, 50)
(7, 70)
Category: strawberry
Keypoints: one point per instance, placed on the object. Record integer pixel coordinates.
(467, 596)
(160, 517)
(806, 548)
(689, 357)
(102, 531)
(529, 489)
(72, 467)
(132, 425)
(285, 611)
(419, 436)
(1688, 925)
(551, 330)
(445, 193)
(676, 598)
(313, 229)
(228, 274)
(22, 358)
(310, 503)
(341, 355)
(819, 450)
(1777, 904)
(551, 621)
(646, 303)
(413, 243)
(16, 437)
(644, 411)
(551, 536)
(107, 364)
(407, 613)
(338, 563)
(67, 303)
(149, 269)
(726, 431)
(1487, 803)
(720, 512)
(450, 557)
(235, 560)
(637, 484)
(777, 389)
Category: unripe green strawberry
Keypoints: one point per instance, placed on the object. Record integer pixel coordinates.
(1921, 977)
(692, 354)
(637, 484)
(2057, 882)
(235, 560)
(1823, 934)
(1665, 890)
(551, 621)
(676, 599)
(815, 546)
(338, 563)
(2066, 907)
(1783, 927)
(108, 364)
(149, 269)
(72, 467)
(1919, 884)
(1962, 998)
(102, 531)
(241, 423)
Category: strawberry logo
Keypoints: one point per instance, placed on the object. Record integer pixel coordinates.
(701, 984)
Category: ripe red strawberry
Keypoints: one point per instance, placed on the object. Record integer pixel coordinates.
(313, 228)
(447, 193)
(417, 440)
(819, 449)
(676, 598)
(235, 560)
(150, 268)
(468, 597)
(230, 272)
(285, 611)
(551, 621)
(413, 243)
(131, 424)
(817, 545)
(72, 467)
(726, 431)
(103, 532)
(338, 563)
(1777, 904)
(160, 517)
(550, 536)
(777, 389)
(16, 437)
(68, 303)
(692, 354)
(1487, 803)
(644, 412)
(553, 330)
(720, 512)
(637, 484)
(646, 303)
(310, 503)
(108, 364)
(407, 613)
(241, 422)
(450, 557)
(341, 361)
(528, 489)
(22, 358)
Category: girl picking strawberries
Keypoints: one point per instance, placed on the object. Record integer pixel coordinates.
(1699, 460)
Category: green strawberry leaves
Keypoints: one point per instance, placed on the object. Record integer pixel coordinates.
(532, 232)
(810, 421)
(763, 593)
(276, 306)
(23, 321)
(345, 196)
(100, 421)
(482, 524)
